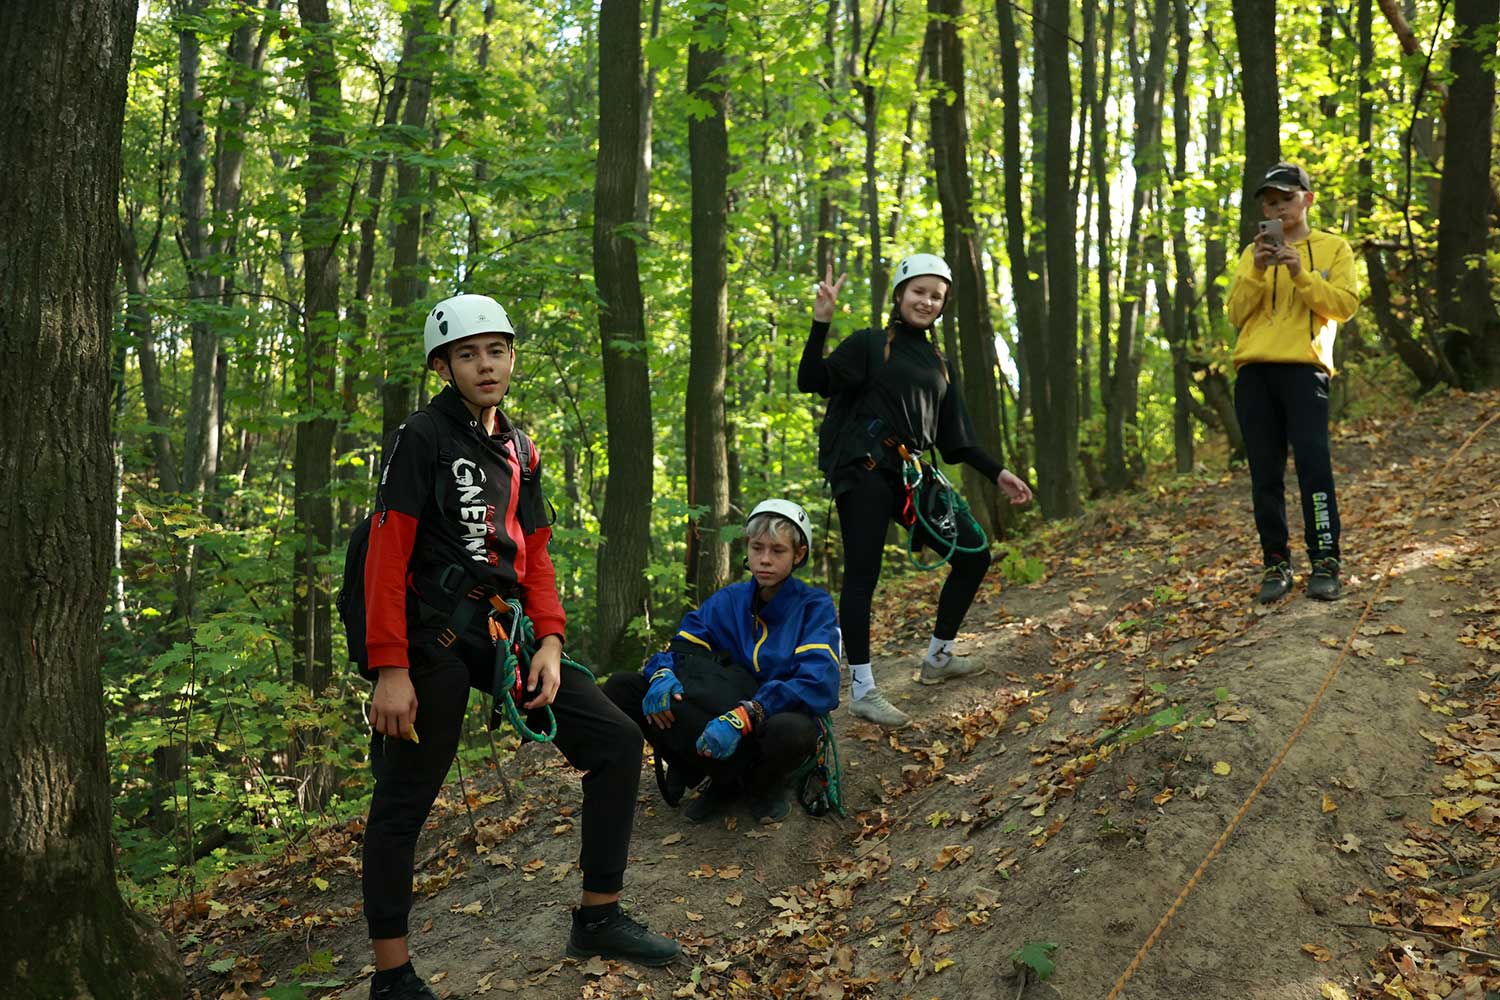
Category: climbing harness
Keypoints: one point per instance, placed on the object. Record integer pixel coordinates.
(945, 511)
(514, 648)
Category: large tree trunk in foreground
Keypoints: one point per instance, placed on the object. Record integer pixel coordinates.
(68, 934)
(623, 590)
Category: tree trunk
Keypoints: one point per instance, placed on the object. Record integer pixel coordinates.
(1029, 294)
(408, 279)
(63, 68)
(623, 590)
(1059, 490)
(707, 449)
(1121, 443)
(970, 303)
(312, 469)
(1182, 297)
(1261, 96)
(1466, 312)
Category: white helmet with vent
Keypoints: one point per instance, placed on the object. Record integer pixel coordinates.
(792, 512)
(462, 316)
(922, 264)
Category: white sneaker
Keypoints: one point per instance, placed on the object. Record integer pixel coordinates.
(957, 666)
(874, 707)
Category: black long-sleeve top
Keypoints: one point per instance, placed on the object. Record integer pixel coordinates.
(910, 393)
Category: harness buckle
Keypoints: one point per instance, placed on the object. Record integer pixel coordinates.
(447, 637)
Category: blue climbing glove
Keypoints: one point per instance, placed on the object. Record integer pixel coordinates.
(722, 735)
(664, 684)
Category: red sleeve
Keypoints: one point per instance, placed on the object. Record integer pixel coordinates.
(392, 535)
(539, 587)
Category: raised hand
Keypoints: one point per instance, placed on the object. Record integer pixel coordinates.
(828, 296)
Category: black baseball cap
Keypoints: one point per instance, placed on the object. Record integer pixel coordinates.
(1285, 177)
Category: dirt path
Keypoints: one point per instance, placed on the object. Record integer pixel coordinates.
(1135, 697)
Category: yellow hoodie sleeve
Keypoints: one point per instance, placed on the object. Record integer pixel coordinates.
(1336, 296)
(1249, 291)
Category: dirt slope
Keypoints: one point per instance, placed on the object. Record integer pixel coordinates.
(1039, 802)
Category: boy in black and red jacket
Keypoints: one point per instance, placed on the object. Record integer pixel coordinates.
(459, 520)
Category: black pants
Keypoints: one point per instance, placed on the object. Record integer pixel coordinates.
(592, 734)
(865, 510)
(1277, 406)
(764, 758)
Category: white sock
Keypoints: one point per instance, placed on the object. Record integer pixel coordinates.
(864, 679)
(939, 651)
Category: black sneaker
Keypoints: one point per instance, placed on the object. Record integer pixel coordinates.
(710, 801)
(771, 806)
(1275, 582)
(1324, 583)
(619, 937)
(409, 987)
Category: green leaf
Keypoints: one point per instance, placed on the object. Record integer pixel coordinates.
(1036, 956)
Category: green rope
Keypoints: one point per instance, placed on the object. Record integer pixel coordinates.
(955, 507)
(826, 758)
(512, 658)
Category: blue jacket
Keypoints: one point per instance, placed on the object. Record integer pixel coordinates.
(792, 646)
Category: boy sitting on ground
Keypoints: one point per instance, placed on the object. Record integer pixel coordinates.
(736, 697)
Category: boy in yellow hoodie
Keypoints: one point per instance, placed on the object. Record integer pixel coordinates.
(1287, 299)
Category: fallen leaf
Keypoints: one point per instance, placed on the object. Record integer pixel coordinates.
(1221, 768)
(734, 899)
(1332, 991)
(731, 872)
(1350, 844)
(670, 839)
(941, 964)
(594, 967)
(1318, 952)
(1328, 804)
(693, 916)
(473, 909)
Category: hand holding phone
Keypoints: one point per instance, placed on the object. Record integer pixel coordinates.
(1271, 232)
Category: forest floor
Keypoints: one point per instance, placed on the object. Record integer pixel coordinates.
(1136, 697)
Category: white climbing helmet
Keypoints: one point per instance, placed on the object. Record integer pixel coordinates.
(792, 512)
(921, 264)
(453, 319)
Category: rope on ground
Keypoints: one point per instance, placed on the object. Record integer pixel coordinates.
(1234, 822)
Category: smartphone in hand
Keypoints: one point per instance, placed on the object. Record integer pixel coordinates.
(1272, 231)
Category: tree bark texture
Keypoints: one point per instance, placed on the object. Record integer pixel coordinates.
(312, 468)
(968, 301)
(68, 934)
(707, 448)
(1254, 22)
(1182, 295)
(1059, 488)
(1466, 311)
(623, 590)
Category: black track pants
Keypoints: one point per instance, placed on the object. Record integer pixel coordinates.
(592, 734)
(1280, 406)
(864, 513)
(762, 760)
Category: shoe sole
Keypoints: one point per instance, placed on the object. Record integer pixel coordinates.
(653, 963)
(883, 725)
(933, 682)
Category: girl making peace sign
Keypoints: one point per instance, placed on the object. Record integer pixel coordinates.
(891, 387)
